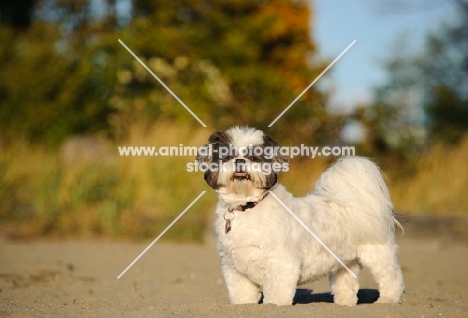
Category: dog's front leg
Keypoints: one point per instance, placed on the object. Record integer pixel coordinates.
(241, 290)
(281, 282)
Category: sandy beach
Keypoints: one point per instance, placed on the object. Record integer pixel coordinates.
(76, 278)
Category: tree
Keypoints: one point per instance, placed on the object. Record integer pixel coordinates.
(54, 80)
(446, 73)
(426, 93)
(262, 50)
(233, 62)
(17, 14)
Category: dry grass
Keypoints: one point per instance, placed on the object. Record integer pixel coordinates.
(77, 192)
(434, 183)
(74, 193)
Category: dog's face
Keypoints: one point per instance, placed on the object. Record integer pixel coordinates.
(241, 160)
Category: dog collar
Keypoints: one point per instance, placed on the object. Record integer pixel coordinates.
(242, 208)
(248, 205)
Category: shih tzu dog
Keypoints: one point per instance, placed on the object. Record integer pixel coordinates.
(263, 248)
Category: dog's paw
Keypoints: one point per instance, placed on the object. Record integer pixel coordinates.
(346, 300)
(279, 302)
(389, 300)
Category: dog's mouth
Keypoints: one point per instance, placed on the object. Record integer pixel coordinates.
(241, 176)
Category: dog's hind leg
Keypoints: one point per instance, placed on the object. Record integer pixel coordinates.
(344, 286)
(383, 264)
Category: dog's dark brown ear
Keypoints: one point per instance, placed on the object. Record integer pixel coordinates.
(204, 154)
(270, 142)
(217, 138)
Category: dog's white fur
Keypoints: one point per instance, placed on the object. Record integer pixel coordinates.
(268, 250)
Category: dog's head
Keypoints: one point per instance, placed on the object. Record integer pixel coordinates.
(241, 161)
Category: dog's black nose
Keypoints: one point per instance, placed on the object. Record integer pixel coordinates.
(240, 165)
(240, 161)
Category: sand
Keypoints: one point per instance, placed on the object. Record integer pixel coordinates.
(57, 278)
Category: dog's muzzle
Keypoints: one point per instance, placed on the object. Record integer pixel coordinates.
(240, 170)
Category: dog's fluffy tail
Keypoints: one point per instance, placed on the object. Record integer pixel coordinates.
(357, 186)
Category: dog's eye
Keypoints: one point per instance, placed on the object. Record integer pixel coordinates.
(254, 158)
(227, 157)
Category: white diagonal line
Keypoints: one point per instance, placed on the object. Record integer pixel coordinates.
(164, 85)
(313, 234)
(167, 228)
(311, 84)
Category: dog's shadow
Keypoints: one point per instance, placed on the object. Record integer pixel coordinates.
(305, 296)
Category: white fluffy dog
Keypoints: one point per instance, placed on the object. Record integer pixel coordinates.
(263, 248)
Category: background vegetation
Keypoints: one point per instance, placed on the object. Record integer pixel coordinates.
(70, 93)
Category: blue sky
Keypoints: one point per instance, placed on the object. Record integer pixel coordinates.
(376, 28)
